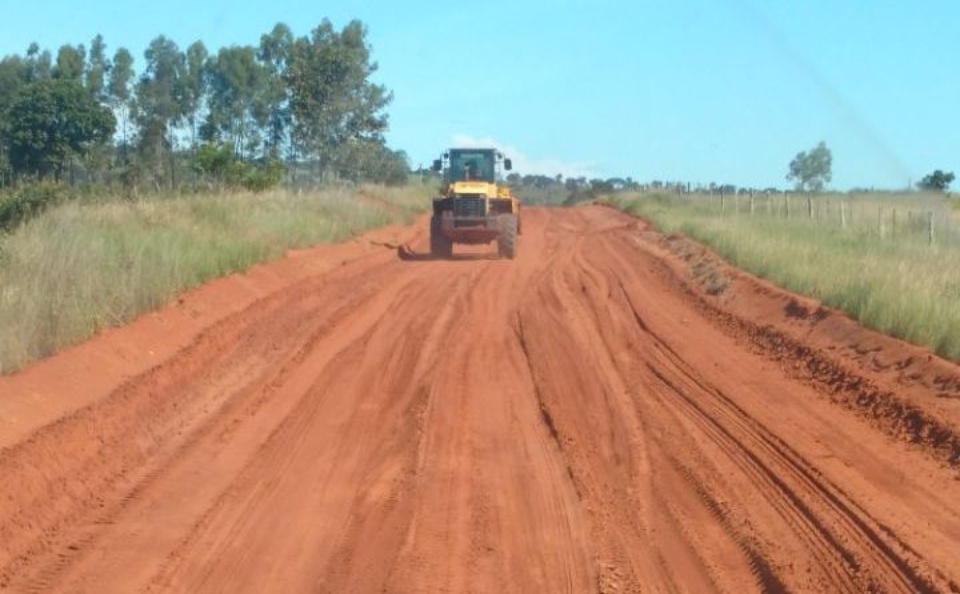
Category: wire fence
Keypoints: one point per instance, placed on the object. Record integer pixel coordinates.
(898, 217)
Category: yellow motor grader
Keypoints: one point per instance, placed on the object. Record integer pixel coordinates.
(473, 208)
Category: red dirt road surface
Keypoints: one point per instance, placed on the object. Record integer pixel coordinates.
(613, 411)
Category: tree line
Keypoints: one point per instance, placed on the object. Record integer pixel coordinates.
(301, 107)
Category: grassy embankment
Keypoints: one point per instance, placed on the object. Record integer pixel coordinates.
(872, 256)
(88, 264)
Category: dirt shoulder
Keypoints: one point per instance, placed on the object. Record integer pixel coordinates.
(904, 389)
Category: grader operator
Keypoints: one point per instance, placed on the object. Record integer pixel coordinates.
(473, 207)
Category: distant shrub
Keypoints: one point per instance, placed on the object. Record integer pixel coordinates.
(28, 201)
(263, 176)
(221, 165)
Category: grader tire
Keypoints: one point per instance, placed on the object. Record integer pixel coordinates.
(440, 246)
(507, 241)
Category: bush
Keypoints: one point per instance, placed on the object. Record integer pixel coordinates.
(29, 201)
(220, 163)
(263, 176)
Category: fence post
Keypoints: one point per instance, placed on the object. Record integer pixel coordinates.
(883, 231)
(930, 226)
(751, 203)
(722, 205)
(786, 205)
(843, 214)
(809, 206)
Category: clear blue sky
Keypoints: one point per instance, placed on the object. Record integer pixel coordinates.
(724, 91)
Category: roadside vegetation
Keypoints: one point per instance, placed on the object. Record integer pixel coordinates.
(889, 260)
(126, 179)
(92, 263)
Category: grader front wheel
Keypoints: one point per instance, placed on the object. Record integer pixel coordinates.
(440, 246)
(507, 240)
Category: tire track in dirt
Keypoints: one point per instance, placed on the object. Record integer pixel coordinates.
(788, 478)
(849, 548)
(161, 415)
(568, 421)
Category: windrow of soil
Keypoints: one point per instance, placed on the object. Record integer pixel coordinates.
(905, 390)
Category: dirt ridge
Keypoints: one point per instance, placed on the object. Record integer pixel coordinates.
(829, 365)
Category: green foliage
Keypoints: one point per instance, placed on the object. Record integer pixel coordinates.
(195, 84)
(14, 72)
(27, 202)
(263, 176)
(95, 77)
(372, 161)
(938, 181)
(332, 101)
(160, 106)
(52, 120)
(812, 170)
(307, 101)
(213, 161)
(274, 53)
(70, 63)
(544, 189)
(121, 73)
(220, 165)
(39, 64)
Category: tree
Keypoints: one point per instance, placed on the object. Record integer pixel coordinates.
(39, 63)
(97, 69)
(195, 85)
(160, 105)
(13, 76)
(284, 98)
(368, 160)
(332, 100)
(812, 170)
(119, 98)
(237, 88)
(51, 121)
(274, 53)
(938, 181)
(70, 63)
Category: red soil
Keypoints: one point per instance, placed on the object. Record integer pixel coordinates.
(585, 418)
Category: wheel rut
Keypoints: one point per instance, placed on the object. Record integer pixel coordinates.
(572, 420)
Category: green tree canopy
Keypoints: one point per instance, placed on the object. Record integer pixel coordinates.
(304, 103)
(39, 63)
(98, 67)
(274, 53)
(937, 181)
(332, 100)
(160, 104)
(52, 120)
(238, 89)
(812, 170)
(71, 63)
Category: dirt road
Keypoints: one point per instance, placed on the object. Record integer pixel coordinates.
(584, 418)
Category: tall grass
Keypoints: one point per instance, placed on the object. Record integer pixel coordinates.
(86, 265)
(889, 276)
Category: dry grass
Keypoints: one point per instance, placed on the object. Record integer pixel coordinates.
(85, 265)
(878, 266)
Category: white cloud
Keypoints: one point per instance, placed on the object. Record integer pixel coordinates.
(526, 165)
